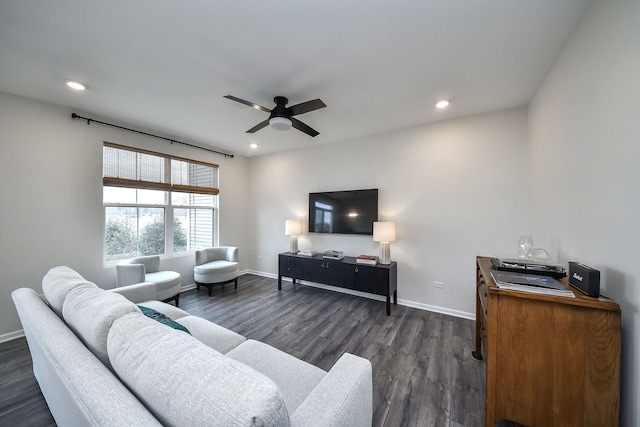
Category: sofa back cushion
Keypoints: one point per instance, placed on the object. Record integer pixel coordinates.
(57, 283)
(90, 311)
(184, 382)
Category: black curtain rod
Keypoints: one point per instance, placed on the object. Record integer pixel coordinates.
(75, 116)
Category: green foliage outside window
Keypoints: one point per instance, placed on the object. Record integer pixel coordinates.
(122, 242)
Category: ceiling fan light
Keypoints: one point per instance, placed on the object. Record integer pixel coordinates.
(280, 123)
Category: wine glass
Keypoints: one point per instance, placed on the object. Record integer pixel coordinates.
(525, 244)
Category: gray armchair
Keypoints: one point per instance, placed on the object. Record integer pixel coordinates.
(216, 266)
(147, 269)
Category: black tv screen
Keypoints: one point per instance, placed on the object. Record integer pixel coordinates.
(343, 212)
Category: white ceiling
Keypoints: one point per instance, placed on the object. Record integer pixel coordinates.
(165, 65)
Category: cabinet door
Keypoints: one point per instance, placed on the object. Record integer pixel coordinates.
(370, 279)
(339, 274)
(312, 270)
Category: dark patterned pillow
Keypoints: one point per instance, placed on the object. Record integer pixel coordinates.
(156, 315)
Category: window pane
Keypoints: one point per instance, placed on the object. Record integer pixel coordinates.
(152, 197)
(133, 196)
(192, 229)
(118, 195)
(151, 231)
(133, 231)
(190, 199)
(121, 241)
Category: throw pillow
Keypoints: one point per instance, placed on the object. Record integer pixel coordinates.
(156, 315)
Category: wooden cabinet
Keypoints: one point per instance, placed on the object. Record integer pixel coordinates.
(550, 360)
(346, 273)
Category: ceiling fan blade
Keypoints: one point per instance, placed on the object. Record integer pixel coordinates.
(258, 126)
(305, 107)
(303, 128)
(250, 104)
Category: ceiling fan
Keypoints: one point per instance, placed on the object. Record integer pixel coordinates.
(281, 116)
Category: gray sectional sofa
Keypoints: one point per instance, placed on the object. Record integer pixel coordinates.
(100, 361)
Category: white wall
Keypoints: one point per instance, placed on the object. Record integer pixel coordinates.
(455, 189)
(584, 165)
(51, 187)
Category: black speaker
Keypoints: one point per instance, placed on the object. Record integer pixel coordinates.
(585, 279)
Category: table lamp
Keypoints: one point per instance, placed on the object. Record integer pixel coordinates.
(292, 228)
(384, 232)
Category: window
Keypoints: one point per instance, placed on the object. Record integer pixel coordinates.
(156, 204)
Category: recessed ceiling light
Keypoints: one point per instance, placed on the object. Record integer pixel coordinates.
(443, 103)
(253, 146)
(76, 85)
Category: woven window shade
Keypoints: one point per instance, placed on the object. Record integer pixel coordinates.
(133, 168)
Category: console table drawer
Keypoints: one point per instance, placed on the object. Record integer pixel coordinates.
(290, 267)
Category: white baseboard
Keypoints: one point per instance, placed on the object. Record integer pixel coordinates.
(263, 274)
(437, 309)
(185, 288)
(406, 303)
(11, 336)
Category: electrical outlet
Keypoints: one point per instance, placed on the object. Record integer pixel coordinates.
(259, 257)
(439, 285)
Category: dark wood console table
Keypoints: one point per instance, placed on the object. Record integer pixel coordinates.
(550, 360)
(346, 273)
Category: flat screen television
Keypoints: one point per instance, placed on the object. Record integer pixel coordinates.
(343, 212)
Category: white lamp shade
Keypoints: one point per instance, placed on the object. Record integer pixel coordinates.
(384, 232)
(292, 227)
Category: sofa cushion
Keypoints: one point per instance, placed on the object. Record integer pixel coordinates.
(167, 283)
(168, 310)
(210, 334)
(184, 382)
(163, 279)
(57, 283)
(89, 312)
(220, 267)
(161, 318)
(295, 378)
(216, 272)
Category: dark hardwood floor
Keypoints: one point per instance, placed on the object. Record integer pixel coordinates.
(21, 402)
(423, 372)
